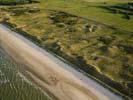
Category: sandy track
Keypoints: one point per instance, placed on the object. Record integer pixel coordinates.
(60, 79)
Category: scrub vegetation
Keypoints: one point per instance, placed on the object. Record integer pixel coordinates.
(97, 36)
(15, 2)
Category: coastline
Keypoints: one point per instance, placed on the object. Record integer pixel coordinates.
(57, 77)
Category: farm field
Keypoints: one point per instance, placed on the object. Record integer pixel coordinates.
(94, 35)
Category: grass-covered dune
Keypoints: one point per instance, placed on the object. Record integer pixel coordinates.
(87, 34)
(14, 2)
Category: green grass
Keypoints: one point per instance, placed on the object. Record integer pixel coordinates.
(15, 2)
(91, 11)
(12, 1)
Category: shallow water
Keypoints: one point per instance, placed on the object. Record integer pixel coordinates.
(14, 86)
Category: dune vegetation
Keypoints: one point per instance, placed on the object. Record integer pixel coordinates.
(14, 2)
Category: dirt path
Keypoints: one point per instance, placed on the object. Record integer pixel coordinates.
(60, 79)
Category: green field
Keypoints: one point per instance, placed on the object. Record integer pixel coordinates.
(13, 2)
(96, 36)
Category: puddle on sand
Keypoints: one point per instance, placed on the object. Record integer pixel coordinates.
(14, 86)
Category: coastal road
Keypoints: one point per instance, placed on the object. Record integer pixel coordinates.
(50, 73)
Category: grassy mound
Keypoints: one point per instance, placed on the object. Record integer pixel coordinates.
(14, 2)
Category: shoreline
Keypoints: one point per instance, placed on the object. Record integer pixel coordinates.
(101, 79)
(57, 73)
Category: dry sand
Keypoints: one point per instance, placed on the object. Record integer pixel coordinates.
(58, 78)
